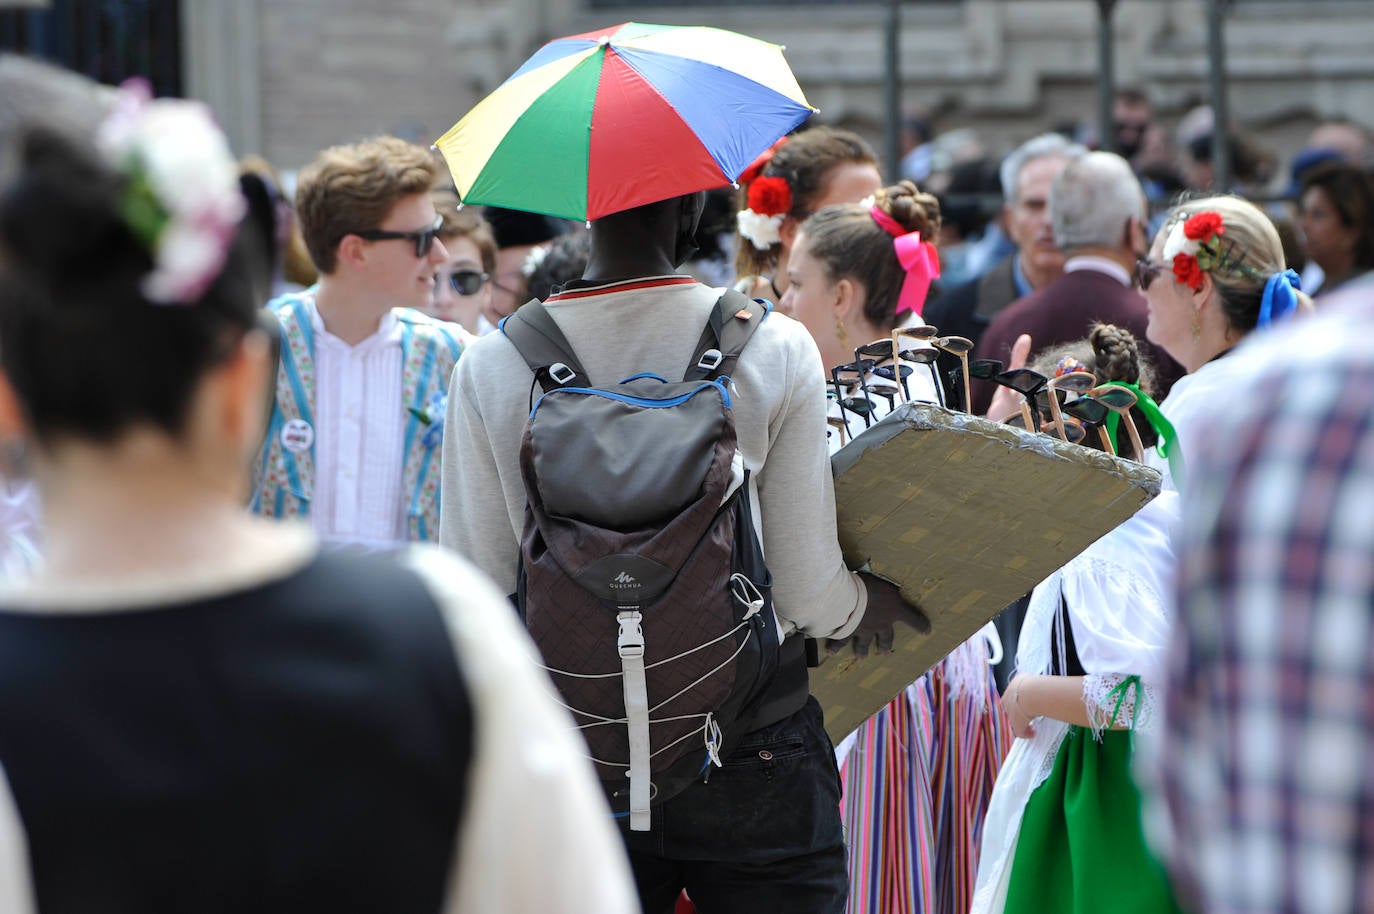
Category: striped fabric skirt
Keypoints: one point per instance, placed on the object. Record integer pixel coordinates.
(917, 777)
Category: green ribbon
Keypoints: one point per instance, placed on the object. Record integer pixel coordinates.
(1164, 429)
(1128, 686)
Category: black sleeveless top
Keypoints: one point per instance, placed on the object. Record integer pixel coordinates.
(298, 746)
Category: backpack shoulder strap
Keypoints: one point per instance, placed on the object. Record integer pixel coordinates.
(542, 345)
(733, 322)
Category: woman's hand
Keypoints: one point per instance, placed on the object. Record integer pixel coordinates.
(1005, 401)
(1021, 717)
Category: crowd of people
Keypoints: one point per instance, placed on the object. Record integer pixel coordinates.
(270, 493)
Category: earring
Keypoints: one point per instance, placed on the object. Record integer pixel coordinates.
(841, 333)
(1196, 328)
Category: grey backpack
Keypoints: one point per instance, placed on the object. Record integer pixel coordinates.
(641, 577)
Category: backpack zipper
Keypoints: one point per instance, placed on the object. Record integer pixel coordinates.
(650, 402)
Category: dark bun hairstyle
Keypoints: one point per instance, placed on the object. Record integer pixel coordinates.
(86, 351)
(806, 162)
(1111, 353)
(849, 244)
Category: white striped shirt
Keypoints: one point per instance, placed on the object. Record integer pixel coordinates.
(359, 426)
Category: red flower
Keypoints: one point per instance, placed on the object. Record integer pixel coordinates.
(1188, 271)
(770, 196)
(1202, 226)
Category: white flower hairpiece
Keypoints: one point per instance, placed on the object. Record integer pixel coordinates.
(1179, 243)
(768, 201)
(534, 260)
(182, 199)
(760, 230)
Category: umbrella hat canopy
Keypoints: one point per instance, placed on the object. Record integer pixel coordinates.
(598, 123)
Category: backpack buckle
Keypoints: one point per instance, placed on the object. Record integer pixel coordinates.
(710, 360)
(561, 373)
(630, 643)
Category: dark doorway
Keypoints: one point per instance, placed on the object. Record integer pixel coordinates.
(107, 40)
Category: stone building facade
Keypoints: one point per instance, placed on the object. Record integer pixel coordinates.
(288, 77)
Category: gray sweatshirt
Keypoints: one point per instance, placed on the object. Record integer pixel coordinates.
(619, 330)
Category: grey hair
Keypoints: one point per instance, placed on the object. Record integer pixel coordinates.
(1044, 146)
(1091, 200)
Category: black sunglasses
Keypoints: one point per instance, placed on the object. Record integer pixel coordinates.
(984, 369)
(424, 239)
(880, 353)
(1145, 272)
(464, 282)
(1027, 383)
(1093, 414)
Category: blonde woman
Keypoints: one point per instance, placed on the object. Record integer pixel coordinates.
(1214, 274)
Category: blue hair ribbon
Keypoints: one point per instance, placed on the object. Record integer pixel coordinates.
(1280, 297)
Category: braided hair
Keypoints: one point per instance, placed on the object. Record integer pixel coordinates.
(1111, 353)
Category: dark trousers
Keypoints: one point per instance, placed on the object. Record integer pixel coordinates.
(763, 834)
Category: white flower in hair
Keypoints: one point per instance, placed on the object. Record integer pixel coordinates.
(1178, 243)
(534, 260)
(761, 230)
(183, 199)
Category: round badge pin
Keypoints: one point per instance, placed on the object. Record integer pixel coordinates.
(297, 435)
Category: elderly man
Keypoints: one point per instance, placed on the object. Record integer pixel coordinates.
(1097, 210)
(1026, 175)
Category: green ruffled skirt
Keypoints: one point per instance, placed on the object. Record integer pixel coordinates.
(1081, 849)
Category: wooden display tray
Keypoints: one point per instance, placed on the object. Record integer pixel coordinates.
(966, 515)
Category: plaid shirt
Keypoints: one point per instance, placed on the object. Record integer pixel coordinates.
(1268, 754)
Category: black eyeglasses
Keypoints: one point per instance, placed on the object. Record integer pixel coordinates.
(885, 367)
(1027, 383)
(846, 383)
(463, 282)
(1145, 272)
(1093, 414)
(985, 369)
(1068, 429)
(424, 239)
(960, 347)
(920, 352)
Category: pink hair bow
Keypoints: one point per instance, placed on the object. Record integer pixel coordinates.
(919, 258)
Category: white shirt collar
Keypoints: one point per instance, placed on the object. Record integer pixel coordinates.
(1099, 265)
(388, 329)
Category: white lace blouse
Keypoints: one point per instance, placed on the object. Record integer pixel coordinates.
(1117, 593)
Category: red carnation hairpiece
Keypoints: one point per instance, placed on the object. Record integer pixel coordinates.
(770, 196)
(1201, 226)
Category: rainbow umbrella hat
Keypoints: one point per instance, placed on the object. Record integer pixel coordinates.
(597, 123)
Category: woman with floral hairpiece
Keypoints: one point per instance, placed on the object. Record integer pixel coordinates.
(797, 177)
(917, 775)
(1063, 828)
(199, 710)
(1214, 273)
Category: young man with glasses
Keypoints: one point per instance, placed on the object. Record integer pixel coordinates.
(354, 440)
